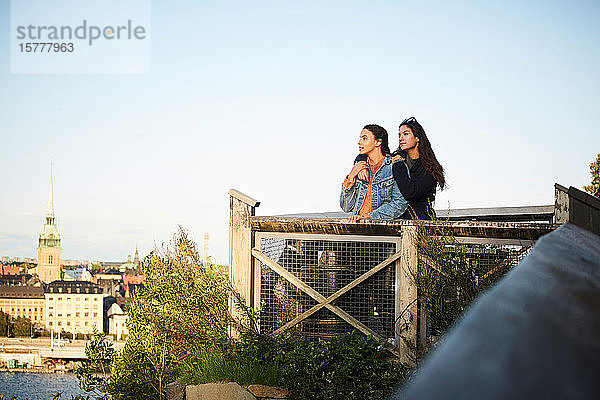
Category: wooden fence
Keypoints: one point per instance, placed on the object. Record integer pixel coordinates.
(324, 276)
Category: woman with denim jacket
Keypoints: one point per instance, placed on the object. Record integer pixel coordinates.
(376, 195)
(416, 170)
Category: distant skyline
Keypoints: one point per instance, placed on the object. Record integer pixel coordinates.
(269, 98)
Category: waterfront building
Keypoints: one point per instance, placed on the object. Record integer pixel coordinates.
(49, 268)
(117, 322)
(74, 306)
(23, 301)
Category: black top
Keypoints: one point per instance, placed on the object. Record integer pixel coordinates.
(418, 188)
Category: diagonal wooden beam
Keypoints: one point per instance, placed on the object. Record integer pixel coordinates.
(291, 278)
(341, 292)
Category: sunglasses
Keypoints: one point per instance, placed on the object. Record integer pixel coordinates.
(409, 121)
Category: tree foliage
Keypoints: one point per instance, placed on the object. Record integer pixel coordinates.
(181, 310)
(22, 326)
(3, 323)
(594, 187)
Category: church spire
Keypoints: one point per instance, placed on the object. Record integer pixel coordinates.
(50, 212)
(49, 235)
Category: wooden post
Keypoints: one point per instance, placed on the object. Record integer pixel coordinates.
(406, 325)
(241, 208)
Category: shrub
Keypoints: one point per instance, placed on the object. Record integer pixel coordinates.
(349, 366)
(180, 312)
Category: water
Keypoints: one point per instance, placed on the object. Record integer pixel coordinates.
(38, 386)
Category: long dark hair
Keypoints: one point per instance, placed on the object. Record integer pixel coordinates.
(380, 133)
(426, 154)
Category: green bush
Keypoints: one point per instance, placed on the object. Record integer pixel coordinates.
(349, 366)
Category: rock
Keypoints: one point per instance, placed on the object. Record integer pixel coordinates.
(268, 392)
(217, 391)
(176, 390)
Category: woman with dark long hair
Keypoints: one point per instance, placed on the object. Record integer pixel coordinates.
(419, 172)
(416, 170)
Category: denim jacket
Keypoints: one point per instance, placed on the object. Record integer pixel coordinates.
(386, 200)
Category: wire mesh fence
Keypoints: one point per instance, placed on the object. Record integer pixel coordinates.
(460, 273)
(464, 267)
(328, 264)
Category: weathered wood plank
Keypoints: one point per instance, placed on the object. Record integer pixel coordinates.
(500, 230)
(577, 207)
(406, 309)
(240, 245)
(244, 198)
(507, 214)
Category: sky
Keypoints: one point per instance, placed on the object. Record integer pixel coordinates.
(269, 98)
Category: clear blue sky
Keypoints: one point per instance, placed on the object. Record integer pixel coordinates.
(269, 98)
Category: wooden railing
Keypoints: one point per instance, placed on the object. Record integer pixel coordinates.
(303, 278)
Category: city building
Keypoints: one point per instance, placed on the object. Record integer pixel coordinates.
(110, 281)
(49, 268)
(20, 280)
(73, 306)
(23, 301)
(117, 322)
(131, 265)
(10, 269)
(132, 282)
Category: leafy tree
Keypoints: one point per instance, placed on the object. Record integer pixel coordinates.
(94, 372)
(22, 326)
(182, 308)
(3, 323)
(595, 172)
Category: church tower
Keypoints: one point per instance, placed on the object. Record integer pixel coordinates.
(48, 268)
(136, 259)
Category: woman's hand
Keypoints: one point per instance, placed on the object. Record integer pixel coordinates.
(356, 218)
(360, 170)
(363, 175)
(397, 158)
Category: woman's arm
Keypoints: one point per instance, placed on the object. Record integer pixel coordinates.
(416, 186)
(349, 192)
(348, 198)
